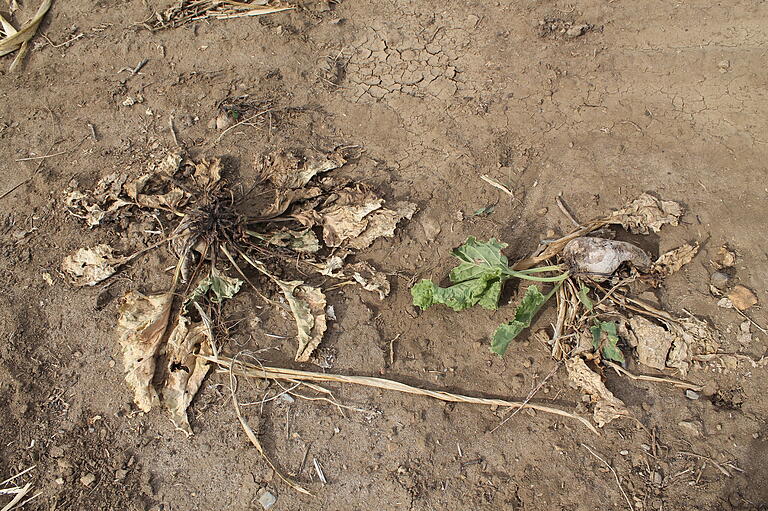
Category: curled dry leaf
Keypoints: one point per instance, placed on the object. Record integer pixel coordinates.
(725, 258)
(342, 222)
(170, 200)
(307, 304)
(742, 297)
(186, 370)
(298, 241)
(607, 406)
(647, 213)
(100, 204)
(598, 258)
(652, 341)
(89, 266)
(670, 262)
(141, 326)
(382, 224)
(369, 278)
(691, 337)
(288, 170)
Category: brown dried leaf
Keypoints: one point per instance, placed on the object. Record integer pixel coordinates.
(307, 304)
(670, 262)
(725, 258)
(207, 172)
(342, 222)
(186, 371)
(288, 170)
(89, 266)
(172, 200)
(382, 224)
(141, 326)
(653, 342)
(607, 406)
(100, 204)
(369, 278)
(742, 297)
(692, 337)
(647, 213)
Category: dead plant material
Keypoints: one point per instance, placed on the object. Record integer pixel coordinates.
(241, 368)
(607, 407)
(670, 262)
(222, 229)
(141, 327)
(188, 11)
(19, 39)
(10, 487)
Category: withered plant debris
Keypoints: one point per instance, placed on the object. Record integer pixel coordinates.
(600, 322)
(296, 220)
(188, 11)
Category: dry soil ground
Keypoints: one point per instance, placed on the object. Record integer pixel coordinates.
(658, 96)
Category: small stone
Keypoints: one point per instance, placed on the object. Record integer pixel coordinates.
(111, 363)
(692, 394)
(129, 101)
(266, 499)
(56, 452)
(527, 362)
(542, 211)
(87, 479)
(742, 297)
(755, 435)
(286, 398)
(624, 452)
(656, 478)
(720, 280)
(120, 474)
(60, 481)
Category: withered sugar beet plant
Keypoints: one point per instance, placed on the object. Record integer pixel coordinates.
(479, 279)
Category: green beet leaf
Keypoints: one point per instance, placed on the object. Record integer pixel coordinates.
(477, 280)
(524, 314)
(606, 340)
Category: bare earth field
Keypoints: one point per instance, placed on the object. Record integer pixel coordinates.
(663, 97)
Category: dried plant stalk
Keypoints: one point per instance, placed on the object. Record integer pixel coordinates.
(275, 373)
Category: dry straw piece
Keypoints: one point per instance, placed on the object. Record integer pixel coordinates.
(276, 373)
(19, 39)
(186, 11)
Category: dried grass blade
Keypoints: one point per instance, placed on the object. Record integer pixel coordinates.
(249, 432)
(276, 373)
(25, 33)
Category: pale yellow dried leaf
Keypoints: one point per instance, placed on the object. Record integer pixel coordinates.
(382, 224)
(670, 262)
(89, 266)
(307, 304)
(607, 407)
(369, 278)
(647, 213)
(653, 342)
(186, 370)
(341, 223)
(141, 326)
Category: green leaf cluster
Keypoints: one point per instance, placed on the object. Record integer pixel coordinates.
(606, 340)
(217, 287)
(478, 280)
